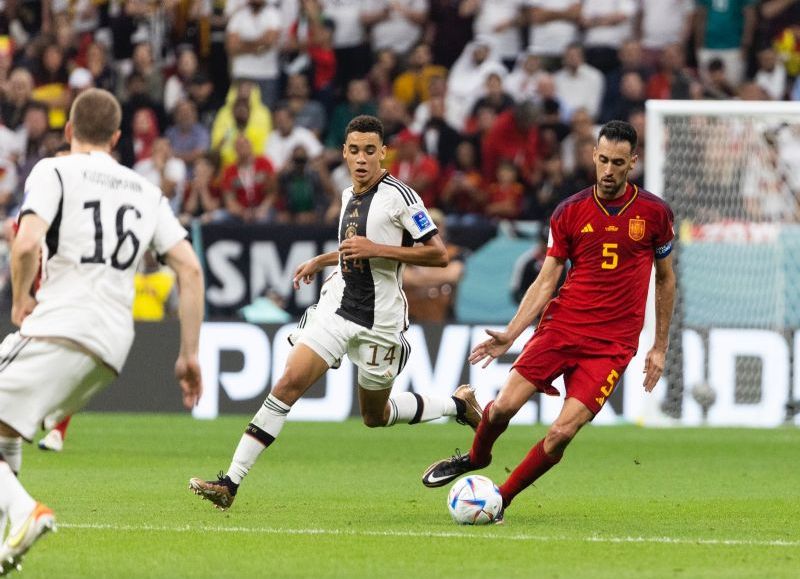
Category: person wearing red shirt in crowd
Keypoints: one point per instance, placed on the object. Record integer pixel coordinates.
(513, 137)
(412, 166)
(505, 193)
(249, 187)
(612, 233)
(462, 191)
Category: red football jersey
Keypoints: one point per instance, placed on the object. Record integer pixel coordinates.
(611, 246)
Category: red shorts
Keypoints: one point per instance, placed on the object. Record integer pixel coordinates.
(591, 367)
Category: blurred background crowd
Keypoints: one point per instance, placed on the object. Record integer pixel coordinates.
(237, 108)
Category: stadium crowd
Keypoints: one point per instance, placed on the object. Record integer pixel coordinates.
(237, 108)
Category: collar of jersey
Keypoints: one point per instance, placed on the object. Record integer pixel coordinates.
(372, 189)
(624, 207)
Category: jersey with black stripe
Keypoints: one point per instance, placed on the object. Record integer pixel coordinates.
(102, 217)
(369, 292)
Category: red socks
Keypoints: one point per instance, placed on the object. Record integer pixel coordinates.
(481, 452)
(534, 465)
(62, 427)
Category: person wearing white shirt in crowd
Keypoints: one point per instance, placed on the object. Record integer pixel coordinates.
(166, 171)
(606, 25)
(395, 24)
(660, 24)
(350, 40)
(553, 26)
(500, 20)
(467, 78)
(578, 84)
(771, 74)
(286, 136)
(252, 38)
(524, 78)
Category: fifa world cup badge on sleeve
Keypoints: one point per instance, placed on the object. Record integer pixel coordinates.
(421, 220)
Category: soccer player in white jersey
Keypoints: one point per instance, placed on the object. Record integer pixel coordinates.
(362, 311)
(93, 220)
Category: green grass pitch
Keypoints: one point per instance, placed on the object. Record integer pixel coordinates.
(340, 500)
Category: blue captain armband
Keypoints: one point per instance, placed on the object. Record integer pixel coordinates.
(664, 250)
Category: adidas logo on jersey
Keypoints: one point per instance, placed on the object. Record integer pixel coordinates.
(587, 228)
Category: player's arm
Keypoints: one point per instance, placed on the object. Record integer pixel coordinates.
(533, 302)
(306, 271)
(665, 298)
(25, 264)
(431, 252)
(182, 259)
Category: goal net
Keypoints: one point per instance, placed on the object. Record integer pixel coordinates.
(731, 173)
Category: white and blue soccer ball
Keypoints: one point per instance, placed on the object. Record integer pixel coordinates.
(474, 500)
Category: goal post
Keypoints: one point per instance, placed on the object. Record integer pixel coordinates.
(730, 170)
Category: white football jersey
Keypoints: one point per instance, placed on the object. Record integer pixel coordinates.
(370, 292)
(102, 219)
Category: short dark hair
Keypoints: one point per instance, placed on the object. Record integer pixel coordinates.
(617, 131)
(365, 124)
(95, 116)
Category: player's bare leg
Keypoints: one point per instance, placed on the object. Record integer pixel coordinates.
(496, 416)
(303, 368)
(379, 408)
(28, 520)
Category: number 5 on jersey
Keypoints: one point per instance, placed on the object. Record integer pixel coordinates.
(610, 255)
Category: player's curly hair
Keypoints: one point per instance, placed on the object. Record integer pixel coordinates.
(617, 131)
(365, 124)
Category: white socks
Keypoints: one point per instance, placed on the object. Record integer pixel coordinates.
(11, 450)
(414, 408)
(259, 434)
(14, 500)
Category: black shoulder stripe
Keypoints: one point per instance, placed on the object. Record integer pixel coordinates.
(400, 189)
(409, 195)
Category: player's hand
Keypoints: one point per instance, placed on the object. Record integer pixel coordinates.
(305, 272)
(497, 345)
(358, 247)
(187, 371)
(22, 306)
(653, 367)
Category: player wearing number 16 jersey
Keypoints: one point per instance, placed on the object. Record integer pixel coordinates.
(613, 234)
(93, 220)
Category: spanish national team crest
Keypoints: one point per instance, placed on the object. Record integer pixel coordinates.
(636, 229)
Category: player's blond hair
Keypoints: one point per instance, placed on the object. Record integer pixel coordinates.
(95, 116)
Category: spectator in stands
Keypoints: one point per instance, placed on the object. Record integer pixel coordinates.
(431, 291)
(382, 75)
(359, 102)
(104, 76)
(251, 37)
(307, 113)
(716, 85)
(725, 30)
(144, 134)
(553, 27)
(467, 77)
(286, 136)
(176, 85)
(632, 95)
(552, 129)
(6, 60)
(606, 25)
(579, 84)
(450, 25)
(660, 24)
(353, 54)
(494, 96)
(584, 174)
(463, 194)
(139, 98)
(505, 193)
(501, 20)
(394, 116)
(16, 97)
(514, 137)
(32, 135)
(673, 79)
(551, 190)
(243, 113)
(631, 59)
(50, 79)
(439, 139)
(771, 74)
(310, 43)
(581, 129)
(163, 169)
(779, 27)
(411, 86)
(248, 186)
(412, 166)
(201, 92)
(302, 195)
(188, 138)
(437, 89)
(522, 82)
(395, 25)
(203, 199)
(155, 292)
(145, 66)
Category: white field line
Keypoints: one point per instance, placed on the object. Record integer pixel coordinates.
(438, 534)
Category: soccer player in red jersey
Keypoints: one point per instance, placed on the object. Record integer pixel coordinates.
(612, 233)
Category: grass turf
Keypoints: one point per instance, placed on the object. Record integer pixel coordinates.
(340, 500)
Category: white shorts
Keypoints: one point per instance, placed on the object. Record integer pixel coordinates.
(41, 379)
(379, 356)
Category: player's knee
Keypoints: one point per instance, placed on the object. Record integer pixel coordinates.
(7, 431)
(560, 435)
(501, 412)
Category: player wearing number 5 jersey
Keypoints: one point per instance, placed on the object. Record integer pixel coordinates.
(361, 311)
(93, 220)
(612, 234)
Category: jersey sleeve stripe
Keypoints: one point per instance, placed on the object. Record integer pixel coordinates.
(412, 196)
(402, 192)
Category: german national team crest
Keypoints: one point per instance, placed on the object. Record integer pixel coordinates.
(636, 229)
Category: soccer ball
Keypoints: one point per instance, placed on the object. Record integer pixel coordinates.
(474, 500)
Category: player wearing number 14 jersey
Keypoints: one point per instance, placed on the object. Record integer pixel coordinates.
(613, 234)
(93, 220)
